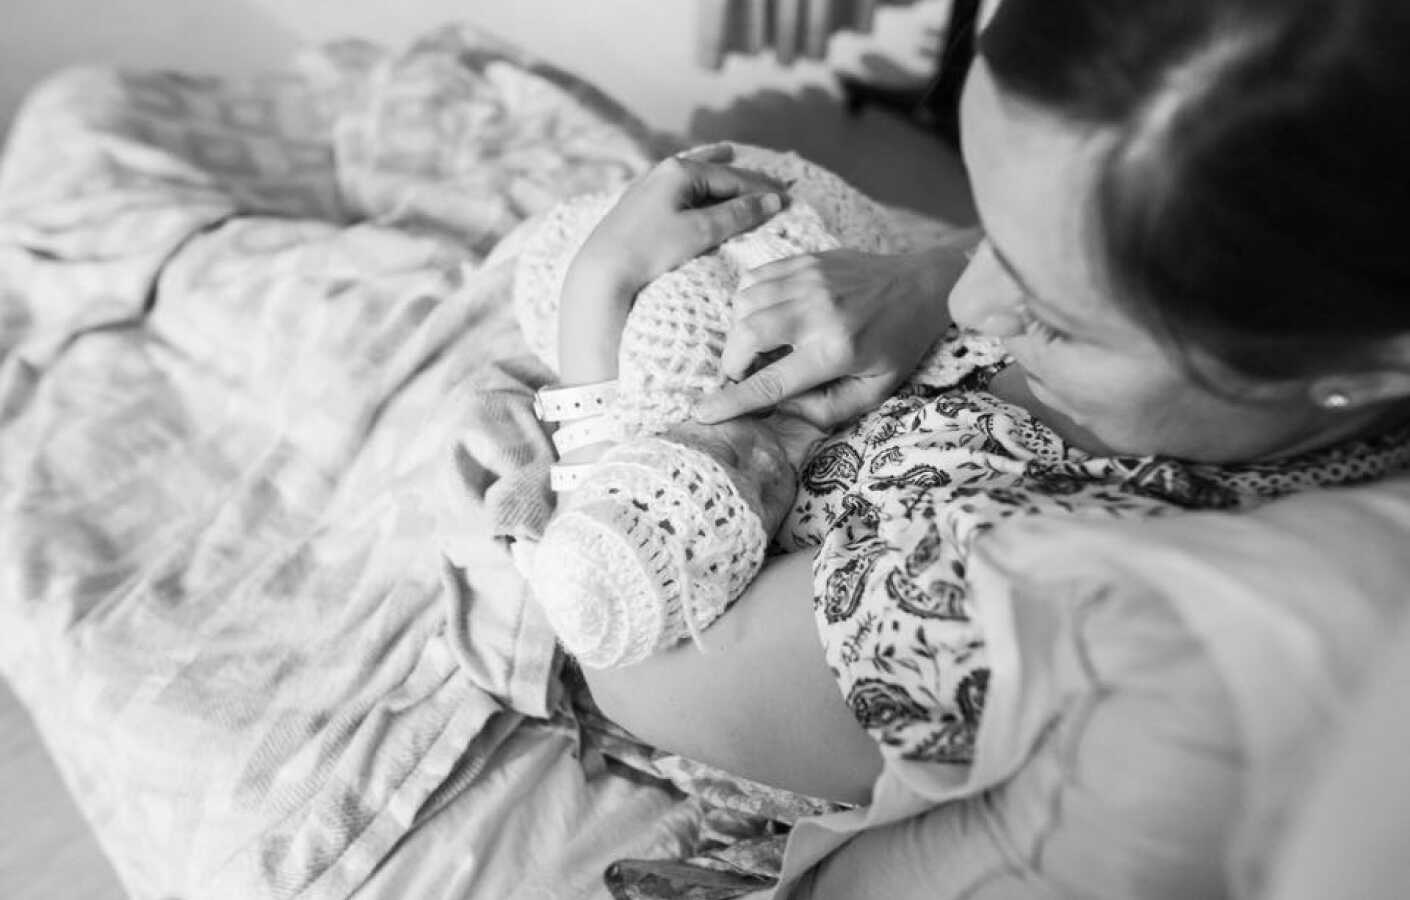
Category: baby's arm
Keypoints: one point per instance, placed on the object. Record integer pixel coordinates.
(666, 530)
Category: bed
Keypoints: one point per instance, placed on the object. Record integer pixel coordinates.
(244, 330)
(264, 425)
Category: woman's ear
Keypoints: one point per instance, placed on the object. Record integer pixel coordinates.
(1387, 382)
(1361, 389)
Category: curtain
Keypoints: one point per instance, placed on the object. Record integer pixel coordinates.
(791, 28)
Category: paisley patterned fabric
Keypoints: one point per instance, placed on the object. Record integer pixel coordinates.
(895, 503)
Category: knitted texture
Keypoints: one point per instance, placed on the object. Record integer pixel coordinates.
(656, 515)
(674, 336)
(652, 549)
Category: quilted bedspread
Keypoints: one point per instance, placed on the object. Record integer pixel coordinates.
(261, 401)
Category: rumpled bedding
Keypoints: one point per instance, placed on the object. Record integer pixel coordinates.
(263, 410)
(264, 414)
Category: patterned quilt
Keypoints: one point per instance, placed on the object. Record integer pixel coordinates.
(260, 399)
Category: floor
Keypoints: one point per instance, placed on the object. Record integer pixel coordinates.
(46, 850)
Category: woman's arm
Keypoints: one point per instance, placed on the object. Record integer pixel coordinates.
(758, 701)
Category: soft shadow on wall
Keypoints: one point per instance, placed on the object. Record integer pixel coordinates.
(876, 151)
(222, 37)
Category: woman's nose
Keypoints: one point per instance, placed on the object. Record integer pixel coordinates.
(984, 300)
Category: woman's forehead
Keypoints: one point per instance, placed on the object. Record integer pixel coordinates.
(1033, 176)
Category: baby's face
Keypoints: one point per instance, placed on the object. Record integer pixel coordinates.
(1094, 371)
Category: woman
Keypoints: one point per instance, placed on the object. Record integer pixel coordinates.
(1189, 214)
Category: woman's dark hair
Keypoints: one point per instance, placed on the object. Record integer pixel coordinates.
(1253, 202)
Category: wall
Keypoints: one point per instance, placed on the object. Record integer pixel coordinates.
(221, 36)
(640, 51)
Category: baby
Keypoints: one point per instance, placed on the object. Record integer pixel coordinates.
(673, 522)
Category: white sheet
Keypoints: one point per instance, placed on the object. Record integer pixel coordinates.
(244, 331)
(543, 823)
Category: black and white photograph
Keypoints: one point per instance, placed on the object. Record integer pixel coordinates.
(704, 450)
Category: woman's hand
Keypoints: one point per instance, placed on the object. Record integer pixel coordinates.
(683, 207)
(858, 324)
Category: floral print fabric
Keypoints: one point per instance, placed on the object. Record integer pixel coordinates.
(895, 503)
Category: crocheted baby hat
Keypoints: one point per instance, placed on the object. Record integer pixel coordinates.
(649, 550)
(669, 531)
(675, 334)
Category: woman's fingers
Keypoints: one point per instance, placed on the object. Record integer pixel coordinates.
(779, 325)
(771, 284)
(797, 372)
(713, 225)
(780, 270)
(720, 151)
(832, 404)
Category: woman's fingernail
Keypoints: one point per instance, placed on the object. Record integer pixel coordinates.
(771, 204)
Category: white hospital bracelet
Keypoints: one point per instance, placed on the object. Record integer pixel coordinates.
(564, 404)
(585, 433)
(567, 478)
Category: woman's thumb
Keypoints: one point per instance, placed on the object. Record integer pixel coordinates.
(832, 404)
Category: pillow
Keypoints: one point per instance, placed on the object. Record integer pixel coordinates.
(1161, 693)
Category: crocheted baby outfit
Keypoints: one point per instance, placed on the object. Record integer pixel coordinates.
(670, 527)
(620, 581)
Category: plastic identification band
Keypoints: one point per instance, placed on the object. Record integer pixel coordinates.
(565, 404)
(567, 478)
(585, 433)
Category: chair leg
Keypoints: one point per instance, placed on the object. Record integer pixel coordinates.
(936, 104)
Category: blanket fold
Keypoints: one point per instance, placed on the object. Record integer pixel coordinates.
(253, 600)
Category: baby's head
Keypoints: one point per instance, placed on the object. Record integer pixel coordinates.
(669, 530)
(674, 336)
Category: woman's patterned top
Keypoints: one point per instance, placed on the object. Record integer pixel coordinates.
(895, 503)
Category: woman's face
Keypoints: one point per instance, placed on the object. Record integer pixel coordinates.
(1105, 380)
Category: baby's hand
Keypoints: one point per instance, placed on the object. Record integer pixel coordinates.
(683, 207)
(666, 535)
(686, 205)
(762, 456)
